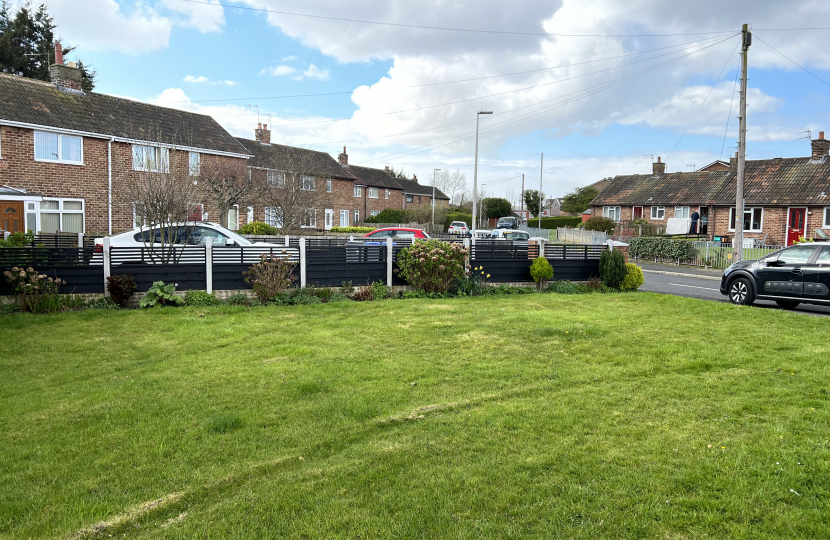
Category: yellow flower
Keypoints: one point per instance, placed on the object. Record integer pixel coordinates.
(488, 275)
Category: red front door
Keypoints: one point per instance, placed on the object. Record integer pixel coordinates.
(638, 212)
(796, 225)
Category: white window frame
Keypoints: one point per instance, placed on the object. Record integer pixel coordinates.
(386, 193)
(358, 191)
(681, 208)
(328, 186)
(613, 212)
(195, 169)
(273, 216)
(373, 213)
(60, 138)
(274, 178)
(233, 225)
(826, 223)
(308, 182)
(163, 156)
(410, 198)
(373, 192)
(356, 217)
(306, 213)
(61, 211)
(661, 213)
(748, 210)
(346, 214)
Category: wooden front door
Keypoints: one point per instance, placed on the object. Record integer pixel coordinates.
(796, 226)
(11, 216)
(638, 213)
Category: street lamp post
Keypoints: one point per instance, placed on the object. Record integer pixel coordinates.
(475, 174)
(433, 199)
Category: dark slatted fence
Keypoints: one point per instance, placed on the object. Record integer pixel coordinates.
(182, 265)
(229, 263)
(81, 268)
(577, 262)
(358, 262)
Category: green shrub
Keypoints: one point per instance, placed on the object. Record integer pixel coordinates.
(352, 230)
(299, 297)
(18, 239)
(258, 227)
(160, 295)
(271, 276)
(563, 287)
(200, 298)
(556, 222)
(458, 216)
(474, 284)
(432, 265)
(35, 292)
(238, 300)
(102, 303)
(339, 297)
(655, 247)
(389, 215)
(597, 223)
(633, 278)
(612, 268)
(121, 287)
(380, 291)
(541, 271)
(324, 294)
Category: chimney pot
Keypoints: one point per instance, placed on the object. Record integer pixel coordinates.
(343, 158)
(58, 53)
(264, 126)
(259, 125)
(66, 76)
(658, 168)
(262, 135)
(821, 135)
(658, 159)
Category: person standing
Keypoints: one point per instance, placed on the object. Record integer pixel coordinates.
(695, 219)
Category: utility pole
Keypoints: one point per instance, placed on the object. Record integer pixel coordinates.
(737, 252)
(541, 167)
(434, 172)
(523, 196)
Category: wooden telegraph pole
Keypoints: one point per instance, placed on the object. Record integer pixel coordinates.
(746, 40)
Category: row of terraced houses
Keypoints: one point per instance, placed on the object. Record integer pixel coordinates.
(66, 153)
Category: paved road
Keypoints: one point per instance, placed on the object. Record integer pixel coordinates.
(707, 289)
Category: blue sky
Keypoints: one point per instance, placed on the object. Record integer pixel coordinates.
(216, 60)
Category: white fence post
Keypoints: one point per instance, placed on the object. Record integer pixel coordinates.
(107, 264)
(287, 243)
(80, 239)
(389, 263)
(209, 265)
(6, 235)
(302, 263)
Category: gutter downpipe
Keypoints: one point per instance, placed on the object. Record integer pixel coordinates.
(109, 185)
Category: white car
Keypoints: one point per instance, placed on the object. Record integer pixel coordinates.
(226, 244)
(483, 234)
(510, 234)
(458, 227)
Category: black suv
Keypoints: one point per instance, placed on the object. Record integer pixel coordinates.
(799, 274)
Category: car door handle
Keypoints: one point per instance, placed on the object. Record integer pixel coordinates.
(797, 271)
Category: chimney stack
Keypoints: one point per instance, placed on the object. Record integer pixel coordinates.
(62, 75)
(343, 158)
(262, 134)
(821, 147)
(659, 167)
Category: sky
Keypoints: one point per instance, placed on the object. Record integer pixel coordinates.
(600, 87)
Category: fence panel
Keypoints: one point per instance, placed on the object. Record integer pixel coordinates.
(74, 265)
(182, 265)
(578, 236)
(229, 263)
(331, 265)
(715, 255)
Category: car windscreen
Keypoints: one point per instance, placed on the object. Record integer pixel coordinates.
(458, 224)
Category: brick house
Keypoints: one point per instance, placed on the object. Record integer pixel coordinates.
(65, 153)
(784, 198)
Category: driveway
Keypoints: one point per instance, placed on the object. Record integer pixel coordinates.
(704, 285)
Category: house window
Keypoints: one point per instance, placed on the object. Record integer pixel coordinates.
(328, 185)
(307, 183)
(273, 217)
(386, 193)
(611, 212)
(275, 178)
(195, 163)
(59, 148)
(358, 191)
(409, 198)
(658, 212)
(233, 218)
(826, 224)
(373, 193)
(356, 217)
(681, 211)
(151, 158)
(31, 217)
(310, 218)
(62, 215)
(419, 199)
(375, 212)
(753, 219)
(195, 212)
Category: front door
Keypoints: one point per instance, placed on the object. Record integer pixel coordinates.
(344, 218)
(817, 277)
(638, 213)
(796, 225)
(704, 220)
(11, 216)
(784, 275)
(329, 219)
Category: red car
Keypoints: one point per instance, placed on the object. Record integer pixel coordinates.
(396, 232)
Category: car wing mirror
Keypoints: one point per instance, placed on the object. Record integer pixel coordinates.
(230, 242)
(774, 263)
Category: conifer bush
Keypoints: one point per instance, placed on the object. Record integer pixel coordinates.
(612, 268)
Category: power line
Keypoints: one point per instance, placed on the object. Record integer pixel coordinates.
(704, 101)
(442, 28)
(791, 60)
(599, 88)
(342, 92)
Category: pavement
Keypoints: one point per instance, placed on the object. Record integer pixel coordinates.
(704, 284)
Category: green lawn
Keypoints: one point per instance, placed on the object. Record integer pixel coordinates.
(591, 416)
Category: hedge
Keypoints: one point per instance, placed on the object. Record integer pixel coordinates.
(466, 218)
(388, 215)
(556, 222)
(651, 247)
(356, 230)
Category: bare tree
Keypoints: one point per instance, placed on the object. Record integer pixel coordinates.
(225, 182)
(452, 183)
(294, 186)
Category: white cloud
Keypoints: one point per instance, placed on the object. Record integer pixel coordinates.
(101, 25)
(207, 16)
(288, 58)
(313, 72)
(192, 79)
(278, 71)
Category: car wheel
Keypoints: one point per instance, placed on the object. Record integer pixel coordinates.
(787, 304)
(740, 292)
